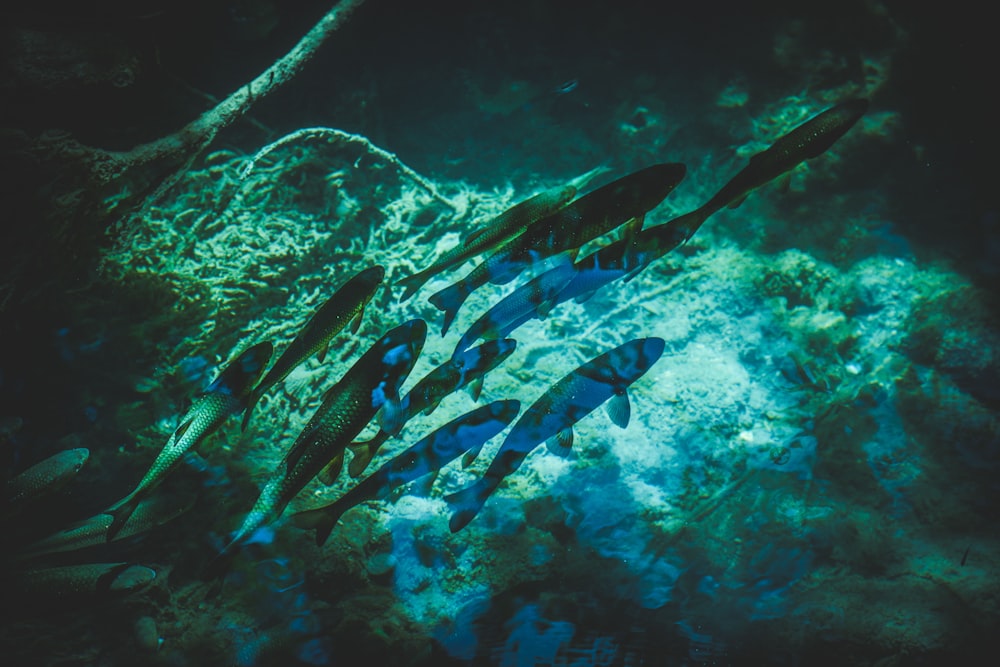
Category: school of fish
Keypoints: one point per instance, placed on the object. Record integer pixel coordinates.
(543, 233)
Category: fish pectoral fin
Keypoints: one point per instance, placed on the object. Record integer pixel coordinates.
(331, 471)
(619, 410)
(475, 387)
(421, 486)
(182, 429)
(561, 444)
(356, 320)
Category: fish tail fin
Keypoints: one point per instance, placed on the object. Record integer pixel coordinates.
(363, 452)
(466, 503)
(411, 284)
(450, 299)
(322, 520)
(120, 514)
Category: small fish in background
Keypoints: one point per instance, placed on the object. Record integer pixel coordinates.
(505, 226)
(226, 396)
(551, 417)
(42, 479)
(626, 199)
(372, 382)
(345, 306)
(86, 581)
(426, 457)
(149, 514)
(466, 370)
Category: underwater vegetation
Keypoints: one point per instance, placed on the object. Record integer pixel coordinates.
(752, 432)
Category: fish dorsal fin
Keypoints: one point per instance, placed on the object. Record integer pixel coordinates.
(182, 428)
(475, 387)
(471, 238)
(561, 443)
(331, 471)
(736, 202)
(619, 410)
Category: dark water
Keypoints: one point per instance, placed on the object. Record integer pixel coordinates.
(809, 472)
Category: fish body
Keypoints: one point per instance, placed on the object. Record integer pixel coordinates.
(84, 580)
(552, 416)
(92, 531)
(507, 225)
(427, 456)
(465, 370)
(224, 397)
(347, 407)
(346, 305)
(533, 299)
(582, 220)
(805, 141)
(627, 257)
(43, 478)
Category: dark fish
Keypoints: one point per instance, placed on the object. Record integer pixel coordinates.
(582, 220)
(224, 397)
(627, 257)
(965, 556)
(806, 141)
(73, 581)
(508, 224)
(43, 478)
(347, 407)
(149, 514)
(552, 416)
(533, 299)
(466, 370)
(427, 456)
(347, 305)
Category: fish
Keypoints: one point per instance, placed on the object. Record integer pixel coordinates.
(226, 396)
(628, 198)
(551, 418)
(346, 305)
(427, 456)
(535, 298)
(806, 141)
(508, 224)
(149, 514)
(42, 479)
(465, 370)
(626, 258)
(81, 581)
(347, 407)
